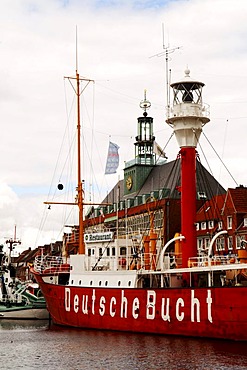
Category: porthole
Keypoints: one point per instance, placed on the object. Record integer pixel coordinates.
(91, 282)
(99, 283)
(106, 283)
(129, 283)
(119, 283)
(72, 282)
(79, 282)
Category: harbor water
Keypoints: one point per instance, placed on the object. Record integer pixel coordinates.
(38, 345)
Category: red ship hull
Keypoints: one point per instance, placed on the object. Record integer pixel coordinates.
(200, 312)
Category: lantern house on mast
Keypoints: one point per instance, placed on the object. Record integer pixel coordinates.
(187, 117)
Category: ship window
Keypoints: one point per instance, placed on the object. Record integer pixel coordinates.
(89, 252)
(108, 251)
(91, 282)
(100, 252)
(129, 283)
(79, 282)
(99, 283)
(72, 281)
(123, 251)
(106, 283)
(119, 283)
(114, 250)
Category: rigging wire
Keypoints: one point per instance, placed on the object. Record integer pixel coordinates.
(68, 160)
(220, 159)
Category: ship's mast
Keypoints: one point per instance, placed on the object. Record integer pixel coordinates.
(81, 249)
(80, 195)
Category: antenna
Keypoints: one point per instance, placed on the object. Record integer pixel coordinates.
(76, 51)
(166, 52)
(163, 36)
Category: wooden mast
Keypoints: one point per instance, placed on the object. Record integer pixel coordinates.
(80, 193)
(81, 249)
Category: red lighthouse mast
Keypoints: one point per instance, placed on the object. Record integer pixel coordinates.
(187, 117)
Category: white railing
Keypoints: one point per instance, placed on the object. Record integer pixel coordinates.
(47, 264)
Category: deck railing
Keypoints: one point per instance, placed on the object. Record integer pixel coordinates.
(215, 260)
(48, 264)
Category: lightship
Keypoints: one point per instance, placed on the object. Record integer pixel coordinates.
(150, 289)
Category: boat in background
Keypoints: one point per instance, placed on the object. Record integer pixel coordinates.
(19, 300)
(153, 288)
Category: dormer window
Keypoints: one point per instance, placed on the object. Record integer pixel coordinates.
(220, 225)
(201, 195)
(210, 224)
(203, 225)
(229, 222)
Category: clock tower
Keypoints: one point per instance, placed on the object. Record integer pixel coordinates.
(137, 170)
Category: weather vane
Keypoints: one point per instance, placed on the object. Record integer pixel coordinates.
(145, 104)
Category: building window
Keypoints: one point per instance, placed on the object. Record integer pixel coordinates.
(210, 224)
(220, 225)
(238, 241)
(229, 222)
(197, 226)
(206, 243)
(245, 222)
(203, 225)
(202, 195)
(230, 243)
(220, 244)
(200, 244)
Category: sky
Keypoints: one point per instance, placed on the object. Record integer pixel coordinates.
(120, 46)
